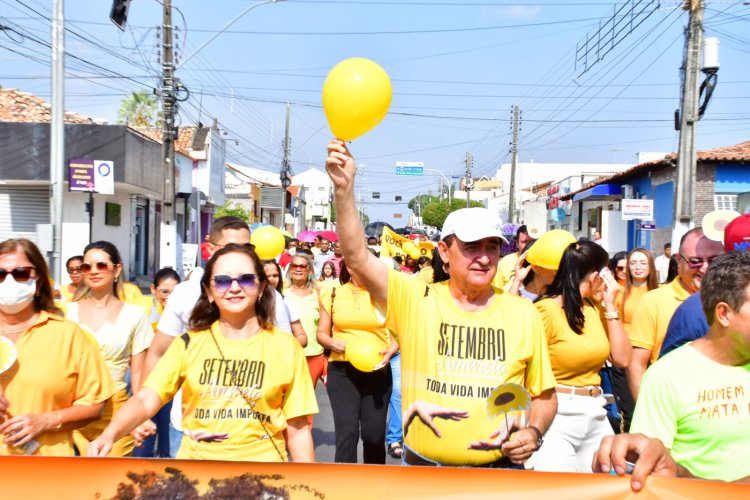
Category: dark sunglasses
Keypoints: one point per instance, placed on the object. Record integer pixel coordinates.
(100, 266)
(298, 266)
(20, 274)
(75, 270)
(697, 262)
(222, 282)
(620, 268)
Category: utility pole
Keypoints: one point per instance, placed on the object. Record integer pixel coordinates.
(468, 180)
(684, 203)
(513, 164)
(286, 181)
(57, 137)
(168, 101)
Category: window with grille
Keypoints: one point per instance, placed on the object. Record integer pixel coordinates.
(725, 202)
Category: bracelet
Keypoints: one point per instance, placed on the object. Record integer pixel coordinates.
(612, 315)
(59, 421)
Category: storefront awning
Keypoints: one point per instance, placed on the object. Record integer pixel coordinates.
(599, 193)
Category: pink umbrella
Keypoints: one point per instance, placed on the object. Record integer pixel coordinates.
(308, 236)
(329, 235)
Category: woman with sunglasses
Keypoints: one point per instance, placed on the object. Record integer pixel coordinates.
(642, 276)
(58, 381)
(359, 400)
(302, 292)
(73, 266)
(247, 393)
(122, 331)
(580, 341)
(619, 266)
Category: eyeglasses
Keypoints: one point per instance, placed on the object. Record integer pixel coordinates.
(20, 274)
(163, 291)
(620, 268)
(75, 270)
(100, 266)
(298, 266)
(222, 282)
(697, 262)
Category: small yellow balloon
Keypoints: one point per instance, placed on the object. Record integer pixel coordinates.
(416, 254)
(268, 241)
(356, 96)
(408, 247)
(364, 354)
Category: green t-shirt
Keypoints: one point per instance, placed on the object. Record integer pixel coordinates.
(700, 410)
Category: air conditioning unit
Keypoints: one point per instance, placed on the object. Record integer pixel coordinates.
(627, 191)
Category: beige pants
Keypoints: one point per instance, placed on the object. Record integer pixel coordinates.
(83, 436)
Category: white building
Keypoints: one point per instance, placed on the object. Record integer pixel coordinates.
(315, 190)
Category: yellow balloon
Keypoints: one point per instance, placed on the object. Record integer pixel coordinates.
(268, 241)
(416, 254)
(356, 96)
(408, 247)
(548, 250)
(364, 354)
(7, 354)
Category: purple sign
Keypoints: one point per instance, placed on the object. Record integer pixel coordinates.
(81, 175)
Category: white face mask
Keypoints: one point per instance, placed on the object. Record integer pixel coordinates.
(15, 296)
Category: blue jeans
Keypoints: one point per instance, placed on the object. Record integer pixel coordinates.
(158, 445)
(175, 439)
(395, 432)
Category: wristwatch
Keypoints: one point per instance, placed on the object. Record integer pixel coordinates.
(612, 315)
(539, 438)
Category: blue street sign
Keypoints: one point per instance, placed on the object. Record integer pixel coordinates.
(648, 227)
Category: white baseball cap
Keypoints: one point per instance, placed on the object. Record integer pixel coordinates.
(473, 224)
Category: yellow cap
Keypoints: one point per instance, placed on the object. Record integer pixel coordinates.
(548, 250)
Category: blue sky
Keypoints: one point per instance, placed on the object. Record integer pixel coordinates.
(456, 68)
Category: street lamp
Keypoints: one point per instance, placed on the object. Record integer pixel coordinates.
(447, 182)
(222, 30)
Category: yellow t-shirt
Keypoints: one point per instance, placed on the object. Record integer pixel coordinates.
(627, 313)
(129, 335)
(455, 358)
(131, 293)
(576, 359)
(270, 369)
(308, 308)
(426, 274)
(353, 316)
(657, 307)
(507, 268)
(58, 366)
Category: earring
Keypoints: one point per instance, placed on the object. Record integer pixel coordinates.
(116, 279)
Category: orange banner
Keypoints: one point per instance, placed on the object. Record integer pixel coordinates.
(105, 478)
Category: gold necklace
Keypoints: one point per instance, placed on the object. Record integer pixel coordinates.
(93, 303)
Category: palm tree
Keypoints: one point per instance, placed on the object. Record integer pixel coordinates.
(139, 110)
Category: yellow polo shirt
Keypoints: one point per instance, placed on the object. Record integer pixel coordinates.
(657, 307)
(507, 268)
(630, 308)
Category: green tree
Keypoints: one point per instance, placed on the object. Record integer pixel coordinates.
(235, 210)
(436, 212)
(139, 109)
(423, 199)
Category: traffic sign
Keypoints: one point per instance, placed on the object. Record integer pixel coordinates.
(409, 168)
(648, 227)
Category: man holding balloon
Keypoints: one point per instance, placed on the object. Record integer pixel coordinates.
(460, 339)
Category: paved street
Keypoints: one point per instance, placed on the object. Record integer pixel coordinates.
(323, 434)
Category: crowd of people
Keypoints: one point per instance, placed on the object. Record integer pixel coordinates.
(223, 365)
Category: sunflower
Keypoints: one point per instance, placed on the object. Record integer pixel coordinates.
(506, 398)
(7, 354)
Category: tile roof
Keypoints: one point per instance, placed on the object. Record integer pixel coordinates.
(22, 107)
(738, 153)
(181, 145)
